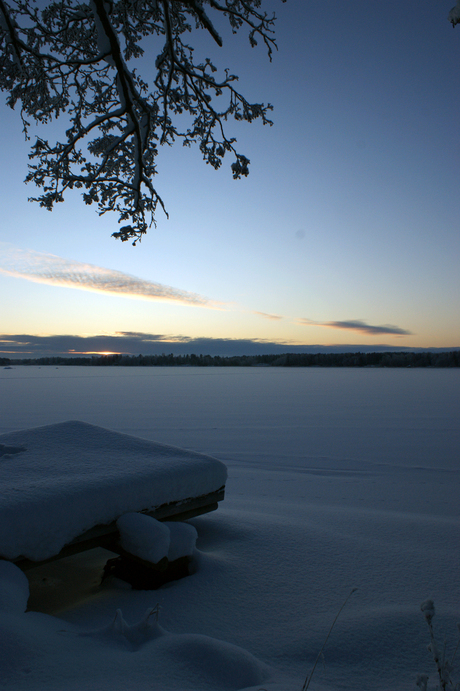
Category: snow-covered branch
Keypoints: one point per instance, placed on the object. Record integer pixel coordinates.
(454, 14)
(73, 58)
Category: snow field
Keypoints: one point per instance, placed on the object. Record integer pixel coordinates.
(336, 480)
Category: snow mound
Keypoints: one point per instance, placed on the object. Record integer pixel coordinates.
(14, 588)
(130, 636)
(144, 536)
(219, 665)
(152, 540)
(60, 480)
(212, 662)
(42, 652)
(183, 539)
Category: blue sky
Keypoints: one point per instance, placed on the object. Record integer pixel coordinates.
(346, 231)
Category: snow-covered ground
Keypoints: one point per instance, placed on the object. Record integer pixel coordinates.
(338, 479)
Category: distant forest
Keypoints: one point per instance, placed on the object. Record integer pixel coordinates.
(390, 359)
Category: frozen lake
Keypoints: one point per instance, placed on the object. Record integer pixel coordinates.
(338, 478)
(408, 417)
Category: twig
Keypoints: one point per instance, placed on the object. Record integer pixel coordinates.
(308, 679)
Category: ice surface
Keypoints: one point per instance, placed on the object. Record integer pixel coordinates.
(73, 475)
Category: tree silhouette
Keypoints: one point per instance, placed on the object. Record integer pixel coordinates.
(74, 59)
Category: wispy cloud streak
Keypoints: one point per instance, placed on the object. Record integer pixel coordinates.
(273, 317)
(361, 326)
(48, 268)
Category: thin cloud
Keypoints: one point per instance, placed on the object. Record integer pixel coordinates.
(274, 317)
(48, 268)
(361, 326)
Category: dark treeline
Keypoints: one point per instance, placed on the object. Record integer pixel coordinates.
(390, 359)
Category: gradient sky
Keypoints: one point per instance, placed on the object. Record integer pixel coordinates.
(345, 233)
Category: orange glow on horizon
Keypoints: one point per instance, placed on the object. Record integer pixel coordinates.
(93, 352)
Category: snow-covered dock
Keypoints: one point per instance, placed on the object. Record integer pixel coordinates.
(65, 485)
